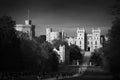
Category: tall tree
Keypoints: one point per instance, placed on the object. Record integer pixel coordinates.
(112, 48)
(75, 53)
(9, 45)
(50, 58)
(41, 39)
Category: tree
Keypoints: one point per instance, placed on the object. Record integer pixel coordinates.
(41, 39)
(38, 57)
(57, 43)
(97, 58)
(50, 58)
(31, 55)
(112, 49)
(10, 54)
(20, 54)
(75, 53)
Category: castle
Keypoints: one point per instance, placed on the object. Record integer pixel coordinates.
(27, 29)
(87, 42)
(52, 35)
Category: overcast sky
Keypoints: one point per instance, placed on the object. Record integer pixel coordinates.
(60, 14)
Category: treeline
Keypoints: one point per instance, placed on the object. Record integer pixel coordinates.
(20, 54)
(24, 55)
(109, 55)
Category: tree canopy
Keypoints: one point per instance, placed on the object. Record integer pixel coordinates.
(10, 57)
(111, 48)
(20, 54)
(75, 53)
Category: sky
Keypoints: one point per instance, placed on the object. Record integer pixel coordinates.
(60, 15)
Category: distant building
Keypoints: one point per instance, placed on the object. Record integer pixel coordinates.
(51, 35)
(61, 52)
(26, 28)
(71, 40)
(88, 41)
(80, 41)
(85, 41)
(48, 31)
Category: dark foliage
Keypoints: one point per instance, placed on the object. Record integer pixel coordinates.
(41, 39)
(10, 54)
(20, 54)
(75, 53)
(50, 58)
(96, 58)
(112, 49)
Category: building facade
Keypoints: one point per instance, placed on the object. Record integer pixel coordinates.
(28, 29)
(80, 41)
(52, 35)
(61, 52)
(85, 41)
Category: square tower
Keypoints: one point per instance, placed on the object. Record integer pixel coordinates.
(48, 32)
(27, 29)
(96, 38)
(80, 38)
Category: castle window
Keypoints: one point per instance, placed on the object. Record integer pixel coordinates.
(95, 42)
(80, 42)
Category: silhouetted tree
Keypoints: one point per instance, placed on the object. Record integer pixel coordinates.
(50, 58)
(31, 55)
(112, 48)
(10, 55)
(96, 58)
(38, 56)
(41, 39)
(75, 53)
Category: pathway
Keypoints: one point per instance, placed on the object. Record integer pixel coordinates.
(84, 65)
(81, 69)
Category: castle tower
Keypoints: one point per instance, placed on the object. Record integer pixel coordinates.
(48, 32)
(81, 38)
(62, 53)
(96, 38)
(62, 35)
(27, 28)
